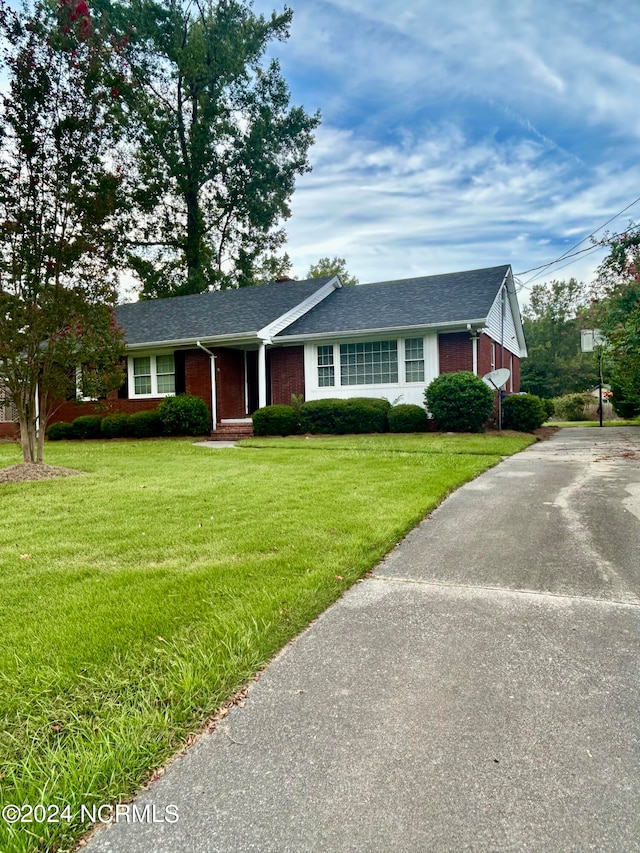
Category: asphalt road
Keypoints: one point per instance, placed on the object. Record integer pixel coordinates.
(480, 692)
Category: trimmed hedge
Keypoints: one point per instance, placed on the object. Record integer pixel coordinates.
(407, 418)
(319, 416)
(60, 431)
(146, 424)
(115, 426)
(523, 412)
(184, 414)
(337, 417)
(459, 402)
(362, 415)
(86, 426)
(276, 420)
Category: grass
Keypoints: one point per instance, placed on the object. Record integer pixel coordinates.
(138, 597)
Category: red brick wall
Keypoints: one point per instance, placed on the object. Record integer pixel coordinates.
(197, 368)
(501, 360)
(230, 383)
(287, 374)
(8, 430)
(454, 352)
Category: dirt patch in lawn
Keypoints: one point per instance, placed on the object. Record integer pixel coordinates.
(29, 471)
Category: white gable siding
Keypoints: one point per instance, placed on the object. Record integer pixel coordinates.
(495, 325)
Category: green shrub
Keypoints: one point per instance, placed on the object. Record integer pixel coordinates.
(145, 424)
(571, 407)
(276, 420)
(407, 418)
(549, 408)
(362, 415)
(185, 414)
(115, 426)
(319, 416)
(60, 431)
(459, 402)
(523, 412)
(87, 426)
(353, 415)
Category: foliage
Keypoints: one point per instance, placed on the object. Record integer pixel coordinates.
(319, 416)
(459, 402)
(146, 424)
(86, 426)
(549, 408)
(350, 416)
(60, 199)
(407, 418)
(163, 585)
(330, 267)
(217, 144)
(184, 414)
(362, 415)
(276, 420)
(552, 322)
(616, 311)
(571, 407)
(523, 412)
(60, 431)
(115, 426)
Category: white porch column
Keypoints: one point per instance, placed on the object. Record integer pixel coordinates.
(262, 375)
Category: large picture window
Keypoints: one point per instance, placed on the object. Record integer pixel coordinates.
(154, 375)
(414, 359)
(374, 363)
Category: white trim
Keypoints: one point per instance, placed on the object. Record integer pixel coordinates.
(155, 394)
(262, 376)
(387, 333)
(236, 420)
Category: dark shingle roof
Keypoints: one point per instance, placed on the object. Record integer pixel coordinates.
(208, 315)
(451, 298)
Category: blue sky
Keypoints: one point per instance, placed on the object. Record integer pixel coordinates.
(463, 134)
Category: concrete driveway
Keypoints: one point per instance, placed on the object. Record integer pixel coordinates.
(480, 692)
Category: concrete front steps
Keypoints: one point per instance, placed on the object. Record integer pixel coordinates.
(232, 431)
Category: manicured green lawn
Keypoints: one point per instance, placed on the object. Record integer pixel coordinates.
(139, 596)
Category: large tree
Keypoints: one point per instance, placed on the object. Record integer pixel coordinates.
(552, 323)
(332, 266)
(59, 197)
(616, 311)
(217, 144)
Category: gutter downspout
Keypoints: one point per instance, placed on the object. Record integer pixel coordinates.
(214, 404)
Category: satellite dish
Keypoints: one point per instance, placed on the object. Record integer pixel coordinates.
(497, 379)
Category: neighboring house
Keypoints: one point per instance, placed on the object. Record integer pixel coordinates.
(242, 349)
(8, 416)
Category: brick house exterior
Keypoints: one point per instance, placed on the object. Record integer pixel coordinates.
(243, 349)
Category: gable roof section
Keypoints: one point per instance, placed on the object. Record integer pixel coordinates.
(437, 300)
(221, 314)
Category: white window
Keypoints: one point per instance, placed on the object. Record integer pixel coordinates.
(374, 363)
(152, 375)
(326, 369)
(414, 359)
(8, 412)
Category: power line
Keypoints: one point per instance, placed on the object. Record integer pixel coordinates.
(571, 248)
